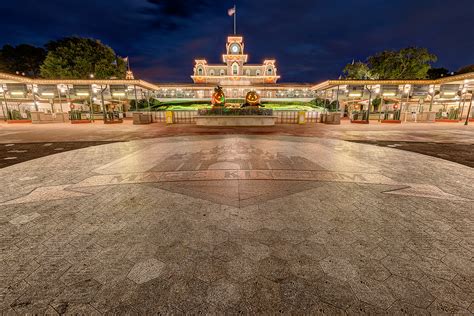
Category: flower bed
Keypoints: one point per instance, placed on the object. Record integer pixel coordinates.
(222, 111)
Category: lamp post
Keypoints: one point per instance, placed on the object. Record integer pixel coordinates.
(469, 109)
(368, 105)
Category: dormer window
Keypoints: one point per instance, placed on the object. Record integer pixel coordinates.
(257, 73)
(199, 71)
(222, 72)
(211, 72)
(269, 71)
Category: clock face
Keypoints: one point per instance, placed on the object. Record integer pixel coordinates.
(235, 48)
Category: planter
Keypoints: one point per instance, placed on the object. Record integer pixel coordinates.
(237, 120)
(113, 122)
(46, 118)
(80, 121)
(18, 121)
(142, 118)
(359, 121)
(333, 118)
(447, 121)
(391, 121)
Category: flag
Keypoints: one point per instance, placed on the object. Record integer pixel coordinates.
(125, 59)
(231, 11)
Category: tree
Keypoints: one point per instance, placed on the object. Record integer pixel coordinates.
(78, 58)
(436, 73)
(22, 58)
(407, 63)
(358, 70)
(465, 69)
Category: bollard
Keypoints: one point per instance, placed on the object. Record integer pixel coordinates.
(169, 117)
(301, 117)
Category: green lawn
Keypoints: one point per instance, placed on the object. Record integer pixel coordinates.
(275, 107)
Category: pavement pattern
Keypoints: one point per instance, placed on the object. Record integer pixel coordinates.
(237, 225)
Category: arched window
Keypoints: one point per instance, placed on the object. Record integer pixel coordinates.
(222, 72)
(211, 72)
(257, 73)
(247, 72)
(269, 71)
(235, 69)
(199, 71)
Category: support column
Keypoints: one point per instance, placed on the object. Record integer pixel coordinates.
(136, 97)
(102, 102)
(368, 105)
(34, 97)
(470, 108)
(5, 115)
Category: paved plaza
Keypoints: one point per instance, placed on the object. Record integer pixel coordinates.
(234, 224)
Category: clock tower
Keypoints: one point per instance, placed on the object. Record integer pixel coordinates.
(234, 57)
(234, 70)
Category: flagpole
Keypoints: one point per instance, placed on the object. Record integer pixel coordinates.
(235, 20)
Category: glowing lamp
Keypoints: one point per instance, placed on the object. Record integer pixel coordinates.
(355, 94)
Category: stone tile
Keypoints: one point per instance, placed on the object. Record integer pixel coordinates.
(227, 251)
(262, 293)
(223, 294)
(440, 307)
(146, 270)
(274, 269)
(296, 292)
(209, 269)
(306, 268)
(151, 297)
(112, 272)
(241, 269)
(447, 291)
(116, 295)
(75, 309)
(187, 294)
(402, 268)
(400, 308)
(23, 219)
(373, 292)
(48, 272)
(339, 268)
(409, 291)
(253, 249)
(334, 292)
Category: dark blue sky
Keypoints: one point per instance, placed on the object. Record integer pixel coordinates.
(311, 40)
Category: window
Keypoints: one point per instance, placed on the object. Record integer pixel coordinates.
(257, 73)
(200, 71)
(269, 71)
(235, 69)
(247, 72)
(222, 72)
(211, 72)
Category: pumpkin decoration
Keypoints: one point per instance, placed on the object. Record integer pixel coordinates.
(252, 99)
(218, 97)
